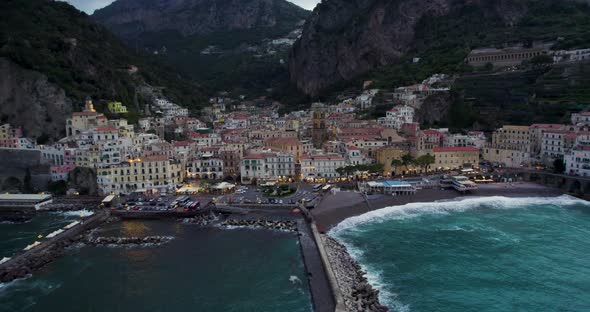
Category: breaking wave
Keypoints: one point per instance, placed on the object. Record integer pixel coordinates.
(412, 210)
(77, 213)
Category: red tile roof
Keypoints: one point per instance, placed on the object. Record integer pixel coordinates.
(431, 132)
(455, 149)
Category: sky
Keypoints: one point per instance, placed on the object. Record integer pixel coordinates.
(89, 6)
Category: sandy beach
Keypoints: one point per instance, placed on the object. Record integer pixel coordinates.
(335, 208)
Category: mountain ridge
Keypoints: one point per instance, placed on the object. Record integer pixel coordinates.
(51, 46)
(344, 40)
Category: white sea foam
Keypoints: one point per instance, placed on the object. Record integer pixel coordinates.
(412, 210)
(77, 213)
(374, 277)
(294, 279)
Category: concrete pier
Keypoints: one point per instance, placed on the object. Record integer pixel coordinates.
(319, 283)
(29, 261)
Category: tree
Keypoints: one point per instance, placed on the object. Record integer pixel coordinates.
(60, 187)
(396, 163)
(558, 166)
(407, 160)
(27, 186)
(425, 161)
(541, 59)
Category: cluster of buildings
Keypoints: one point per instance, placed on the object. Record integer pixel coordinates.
(248, 141)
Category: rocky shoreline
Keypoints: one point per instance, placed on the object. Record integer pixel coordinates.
(205, 219)
(288, 226)
(356, 291)
(128, 241)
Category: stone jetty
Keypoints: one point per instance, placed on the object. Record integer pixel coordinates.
(34, 258)
(68, 203)
(358, 294)
(128, 241)
(204, 219)
(288, 226)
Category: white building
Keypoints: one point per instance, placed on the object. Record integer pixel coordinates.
(321, 166)
(556, 143)
(580, 119)
(236, 122)
(475, 139)
(206, 167)
(354, 156)
(397, 116)
(266, 167)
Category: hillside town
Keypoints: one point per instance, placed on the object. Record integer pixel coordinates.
(249, 142)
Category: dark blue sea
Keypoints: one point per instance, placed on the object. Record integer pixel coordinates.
(201, 269)
(476, 254)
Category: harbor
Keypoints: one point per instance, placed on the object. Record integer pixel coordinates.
(286, 219)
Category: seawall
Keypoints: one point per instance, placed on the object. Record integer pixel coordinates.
(124, 214)
(29, 261)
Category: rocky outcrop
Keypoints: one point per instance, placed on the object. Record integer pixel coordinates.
(84, 181)
(30, 101)
(132, 18)
(343, 39)
(434, 109)
(358, 294)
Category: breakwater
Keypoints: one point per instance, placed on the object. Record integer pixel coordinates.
(67, 203)
(127, 215)
(287, 225)
(36, 255)
(357, 293)
(129, 241)
(203, 219)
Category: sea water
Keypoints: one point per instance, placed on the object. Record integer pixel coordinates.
(201, 269)
(14, 236)
(476, 254)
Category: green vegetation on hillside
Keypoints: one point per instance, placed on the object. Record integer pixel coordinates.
(238, 62)
(539, 95)
(82, 57)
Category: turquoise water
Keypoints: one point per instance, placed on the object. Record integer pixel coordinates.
(202, 269)
(15, 236)
(479, 254)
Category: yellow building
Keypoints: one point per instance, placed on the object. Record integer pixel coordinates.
(386, 155)
(149, 173)
(117, 107)
(507, 157)
(512, 137)
(451, 158)
(85, 120)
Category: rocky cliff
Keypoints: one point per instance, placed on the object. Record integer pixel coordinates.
(133, 18)
(223, 44)
(54, 56)
(30, 101)
(343, 39)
